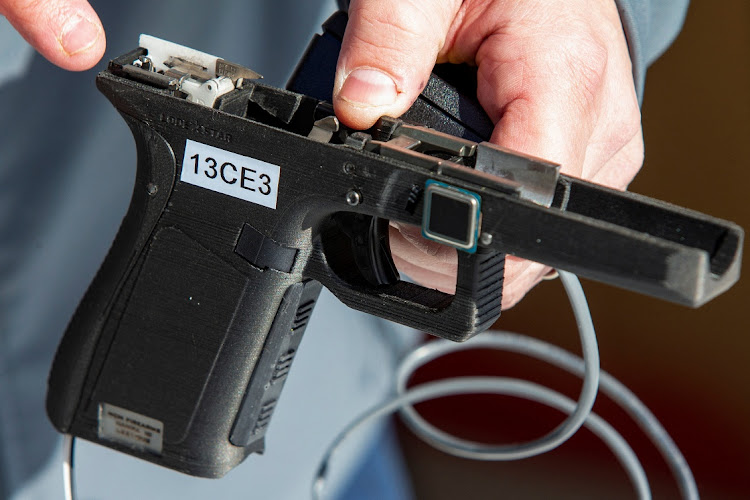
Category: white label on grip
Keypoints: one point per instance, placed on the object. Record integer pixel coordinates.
(130, 428)
(228, 173)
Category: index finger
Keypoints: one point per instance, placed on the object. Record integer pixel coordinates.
(67, 32)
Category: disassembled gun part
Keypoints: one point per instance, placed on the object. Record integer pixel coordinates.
(203, 77)
(249, 199)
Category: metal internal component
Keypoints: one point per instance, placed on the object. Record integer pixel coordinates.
(537, 178)
(508, 171)
(353, 197)
(203, 77)
(324, 129)
(165, 55)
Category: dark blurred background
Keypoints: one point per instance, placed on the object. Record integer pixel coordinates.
(691, 367)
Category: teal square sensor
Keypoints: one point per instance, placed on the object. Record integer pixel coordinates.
(451, 216)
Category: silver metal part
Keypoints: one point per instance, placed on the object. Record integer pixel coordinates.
(432, 139)
(203, 77)
(465, 173)
(407, 148)
(189, 68)
(162, 52)
(235, 71)
(392, 149)
(405, 142)
(324, 129)
(537, 177)
(143, 62)
(177, 75)
(358, 140)
(485, 239)
(353, 197)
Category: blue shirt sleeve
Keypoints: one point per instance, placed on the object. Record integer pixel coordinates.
(650, 28)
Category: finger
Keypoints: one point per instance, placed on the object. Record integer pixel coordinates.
(542, 105)
(427, 277)
(435, 266)
(617, 138)
(620, 170)
(407, 240)
(538, 110)
(428, 263)
(67, 32)
(387, 54)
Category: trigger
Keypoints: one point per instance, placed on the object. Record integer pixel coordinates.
(371, 249)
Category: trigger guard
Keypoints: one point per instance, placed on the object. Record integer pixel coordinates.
(382, 267)
(372, 250)
(370, 247)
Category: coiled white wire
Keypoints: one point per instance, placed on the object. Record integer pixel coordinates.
(478, 451)
(579, 413)
(69, 487)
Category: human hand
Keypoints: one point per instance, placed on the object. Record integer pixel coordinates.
(553, 75)
(67, 32)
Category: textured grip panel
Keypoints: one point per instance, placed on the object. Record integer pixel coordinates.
(487, 286)
(171, 331)
(274, 364)
(150, 194)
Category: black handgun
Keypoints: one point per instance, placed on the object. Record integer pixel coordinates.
(249, 198)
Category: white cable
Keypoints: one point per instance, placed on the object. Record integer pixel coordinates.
(68, 483)
(497, 385)
(610, 386)
(471, 449)
(546, 352)
(479, 451)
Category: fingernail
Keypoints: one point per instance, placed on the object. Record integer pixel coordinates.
(78, 34)
(369, 87)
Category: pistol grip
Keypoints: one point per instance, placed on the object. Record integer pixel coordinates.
(150, 195)
(179, 332)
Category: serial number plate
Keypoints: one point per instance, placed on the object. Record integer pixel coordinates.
(130, 428)
(228, 173)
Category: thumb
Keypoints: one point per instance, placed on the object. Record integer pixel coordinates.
(388, 52)
(67, 32)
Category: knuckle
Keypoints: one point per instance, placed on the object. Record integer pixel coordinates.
(631, 126)
(31, 9)
(19, 9)
(626, 128)
(634, 153)
(586, 62)
(377, 48)
(399, 28)
(36, 15)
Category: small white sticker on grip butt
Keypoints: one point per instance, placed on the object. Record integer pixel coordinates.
(130, 428)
